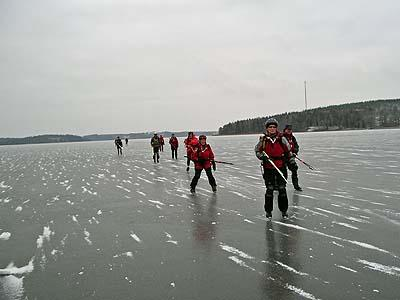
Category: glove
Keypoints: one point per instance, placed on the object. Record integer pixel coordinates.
(214, 165)
(292, 161)
(264, 159)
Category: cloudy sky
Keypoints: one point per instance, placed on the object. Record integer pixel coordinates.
(107, 66)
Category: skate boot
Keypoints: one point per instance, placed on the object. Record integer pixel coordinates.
(298, 188)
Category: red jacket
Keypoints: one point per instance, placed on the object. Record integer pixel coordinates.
(190, 144)
(202, 156)
(277, 148)
(173, 141)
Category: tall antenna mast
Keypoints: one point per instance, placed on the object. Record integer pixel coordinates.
(305, 93)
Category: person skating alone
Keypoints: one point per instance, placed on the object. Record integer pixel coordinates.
(155, 143)
(203, 158)
(126, 141)
(190, 142)
(294, 148)
(118, 144)
(173, 141)
(162, 143)
(274, 146)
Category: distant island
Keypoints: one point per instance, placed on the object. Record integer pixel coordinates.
(59, 138)
(372, 114)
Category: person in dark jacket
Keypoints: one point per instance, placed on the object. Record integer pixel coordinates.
(118, 144)
(173, 141)
(155, 143)
(274, 147)
(203, 158)
(294, 148)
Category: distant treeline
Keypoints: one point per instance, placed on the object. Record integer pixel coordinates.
(54, 138)
(40, 139)
(142, 135)
(361, 115)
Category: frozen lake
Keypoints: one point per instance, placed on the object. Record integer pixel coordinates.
(78, 222)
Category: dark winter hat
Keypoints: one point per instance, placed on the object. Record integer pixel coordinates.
(288, 126)
(271, 121)
(202, 137)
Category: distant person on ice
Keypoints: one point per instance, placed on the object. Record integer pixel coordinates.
(126, 141)
(173, 141)
(275, 147)
(203, 158)
(190, 142)
(161, 143)
(294, 148)
(118, 144)
(155, 143)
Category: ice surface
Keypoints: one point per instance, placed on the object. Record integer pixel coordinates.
(97, 226)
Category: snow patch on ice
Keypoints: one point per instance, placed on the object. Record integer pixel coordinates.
(122, 188)
(346, 225)
(5, 236)
(3, 185)
(13, 270)
(145, 180)
(240, 262)
(233, 250)
(361, 244)
(156, 202)
(337, 244)
(291, 269)
(135, 237)
(390, 270)
(248, 221)
(300, 292)
(346, 268)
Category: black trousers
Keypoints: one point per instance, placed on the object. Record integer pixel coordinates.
(271, 176)
(119, 150)
(197, 174)
(295, 179)
(156, 154)
(174, 153)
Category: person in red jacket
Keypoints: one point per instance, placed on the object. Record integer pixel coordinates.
(203, 158)
(274, 146)
(190, 142)
(161, 143)
(173, 141)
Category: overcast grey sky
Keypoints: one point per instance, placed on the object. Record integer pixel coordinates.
(107, 66)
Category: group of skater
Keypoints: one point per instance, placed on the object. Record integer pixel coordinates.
(276, 151)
